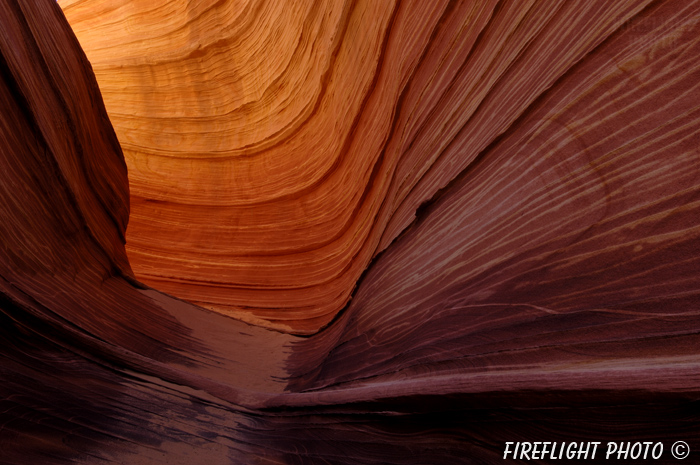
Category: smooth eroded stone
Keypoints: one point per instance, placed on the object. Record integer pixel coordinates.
(275, 148)
(454, 225)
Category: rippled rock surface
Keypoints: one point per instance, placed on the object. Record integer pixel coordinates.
(394, 232)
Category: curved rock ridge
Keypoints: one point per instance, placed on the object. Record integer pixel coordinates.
(514, 202)
(275, 148)
(251, 136)
(571, 242)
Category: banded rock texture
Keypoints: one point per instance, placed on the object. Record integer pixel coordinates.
(273, 149)
(509, 191)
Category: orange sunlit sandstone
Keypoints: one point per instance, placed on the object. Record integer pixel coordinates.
(454, 225)
(275, 147)
(253, 133)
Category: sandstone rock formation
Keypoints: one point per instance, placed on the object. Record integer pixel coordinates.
(453, 224)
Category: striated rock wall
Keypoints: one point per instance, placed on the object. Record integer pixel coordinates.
(274, 149)
(570, 243)
(508, 191)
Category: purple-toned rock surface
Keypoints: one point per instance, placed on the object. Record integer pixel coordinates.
(526, 231)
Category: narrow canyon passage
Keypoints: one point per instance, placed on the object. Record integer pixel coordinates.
(353, 232)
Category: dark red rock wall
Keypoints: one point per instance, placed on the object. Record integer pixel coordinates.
(546, 291)
(262, 189)
(572, 240)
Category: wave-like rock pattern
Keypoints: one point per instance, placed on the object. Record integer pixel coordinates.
(273, 149)
(509, 191)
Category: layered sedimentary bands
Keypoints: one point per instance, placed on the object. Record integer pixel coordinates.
(395, 232)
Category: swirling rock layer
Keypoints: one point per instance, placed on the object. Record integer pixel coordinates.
(509, 192)
(274, 149)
